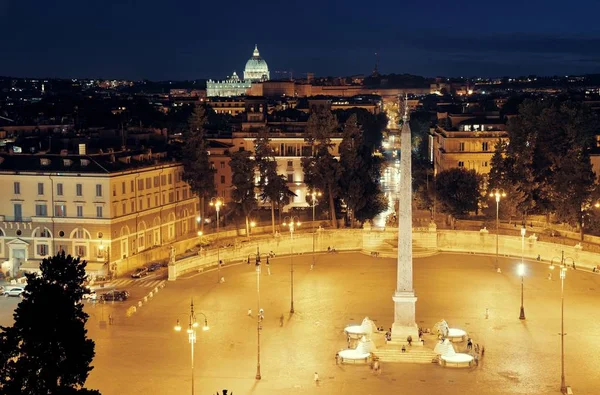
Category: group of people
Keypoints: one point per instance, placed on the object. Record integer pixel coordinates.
(475, 350)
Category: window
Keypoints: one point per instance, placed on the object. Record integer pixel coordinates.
(133, 206)
(222, 179)
(17, 188)
(163, 180)
(18, 211)
(40, 188)
(148, 183)
(170, 197)
(42, 249)
(79, 234)
(290, 163)
(484, 146)
(484, 164)
(461, 164)
(156, 202)
(290, 177)
(170, 179)
(461, 146)
(177, 195)
(80, 211)
(79, 189)
(114, 190)
(132, 186)
(80, 251)
(140, 185)
(212, 165)
(164, 198)
(60, 210)
(156, 181)
(44, 233)
(222, 164)
(99, 211)
(123, 187)
(141, 204)
(41, 210)
(148, 202)
(59, 189)
(185, 193)
(98, 190)
(124, 208)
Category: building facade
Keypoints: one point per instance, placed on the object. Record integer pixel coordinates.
(102, 208)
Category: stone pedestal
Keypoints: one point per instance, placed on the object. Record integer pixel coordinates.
(172, 270)
(404, 317)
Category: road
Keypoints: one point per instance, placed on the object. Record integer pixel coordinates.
(143, 354)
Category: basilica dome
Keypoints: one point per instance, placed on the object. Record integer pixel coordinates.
(256, 68)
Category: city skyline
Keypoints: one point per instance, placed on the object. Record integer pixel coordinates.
(202, 41)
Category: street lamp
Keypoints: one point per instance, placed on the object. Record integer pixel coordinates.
(193, 324)
(497, 193)
(521, 272)
(217, 202)
(292, 222)
(563, 274)
(314, 196)
(259, 315)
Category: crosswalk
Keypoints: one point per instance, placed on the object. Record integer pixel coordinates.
(129, 282)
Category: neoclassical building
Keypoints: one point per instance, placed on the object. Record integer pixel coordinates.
(256, 70)
(103, 207)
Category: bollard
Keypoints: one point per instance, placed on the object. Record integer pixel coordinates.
(145, 299)
(156, 290)
(150, 295)
(140, 303)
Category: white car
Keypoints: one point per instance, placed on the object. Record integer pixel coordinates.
(92, 296)
(16, 291)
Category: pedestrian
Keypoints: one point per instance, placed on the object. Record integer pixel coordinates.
(403, 348)
(539, 258)
(222, 280)
(482, 351)
(477, 348)
(420, 333)
(376, 367)
(469, 344)
(487, 313)
(281, 320)
(409, 340)
(549, 276)
(498, 270)
(476, 359)
(261, 314)
(110, 319)
(574, 268)
(249, 312)
(337, 358)
(316, 377)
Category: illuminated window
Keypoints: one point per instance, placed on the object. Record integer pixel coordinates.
(461, 164)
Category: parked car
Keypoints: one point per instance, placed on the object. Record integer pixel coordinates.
(139, 272)
(16, 291)
(90, 295)
(115, 295)
(154, 266)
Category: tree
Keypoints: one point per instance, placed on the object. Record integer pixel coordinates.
(47, 351)
(197, 171)
(359, 175)
(242, 181)
(322, 170)
(458, 190)
(269, 183)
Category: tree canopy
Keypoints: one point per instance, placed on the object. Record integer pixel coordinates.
(47, 351)
(458, 190)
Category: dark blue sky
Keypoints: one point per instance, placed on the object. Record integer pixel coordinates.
(183, 39)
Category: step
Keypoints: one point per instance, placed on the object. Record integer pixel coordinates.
(412, 355)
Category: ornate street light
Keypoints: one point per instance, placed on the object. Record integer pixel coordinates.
(562, 334)
(314, 195)
(292, 223)
(192, 325)
(217, 203)
(497, 193)
(521, 272)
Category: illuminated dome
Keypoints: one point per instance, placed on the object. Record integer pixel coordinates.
(256, 68)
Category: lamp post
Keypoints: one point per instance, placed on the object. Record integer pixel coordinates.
(563, 275)
(521, 272)
(192, 325)
(314, 196)
(259, 316)
(291, 222)
(217, 202)
(497, 193)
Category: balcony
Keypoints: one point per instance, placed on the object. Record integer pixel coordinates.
(6, 218)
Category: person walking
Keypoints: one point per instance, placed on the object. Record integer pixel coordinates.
(409, 340)
(316, 378)
(110, 319)
(376, 367)
(249, 312)
(482, 351)
(337, 358)
(469, 344)
(281, 320)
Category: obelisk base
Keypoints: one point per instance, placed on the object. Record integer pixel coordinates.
(404, 317)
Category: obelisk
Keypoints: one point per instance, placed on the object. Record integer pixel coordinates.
(404, 298)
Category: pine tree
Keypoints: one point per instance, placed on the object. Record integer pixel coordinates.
(267, 171)
(322, 170)
(47, 351)
(242, 181)
(197, 171)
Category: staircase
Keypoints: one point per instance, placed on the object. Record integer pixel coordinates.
(417, 353)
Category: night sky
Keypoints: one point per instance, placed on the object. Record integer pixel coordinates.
(184, 39)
